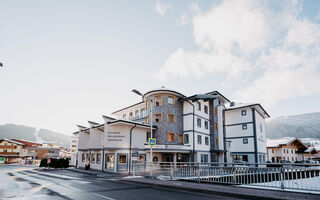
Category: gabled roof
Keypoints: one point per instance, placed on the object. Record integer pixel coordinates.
(311, 149)
(131, 123)
(11, 141)
(220, 95)
(257, 106)
(128, 107)
(275, 143)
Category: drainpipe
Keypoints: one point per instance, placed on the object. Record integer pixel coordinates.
(130, 148)
(255, 142)
(193, 142)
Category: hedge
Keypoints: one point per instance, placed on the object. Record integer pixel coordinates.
(55, 163)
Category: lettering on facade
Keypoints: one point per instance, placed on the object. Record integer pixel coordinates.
(114, 137)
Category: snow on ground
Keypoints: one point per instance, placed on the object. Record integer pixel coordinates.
(301, 184)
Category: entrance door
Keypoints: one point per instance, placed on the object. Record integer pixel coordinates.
(122, 162)
(168, 157)
(109, 158)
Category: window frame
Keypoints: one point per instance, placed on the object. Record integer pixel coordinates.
(199, 139)
(174, 118)
(154, 100)
(243, 112)
(245, 141)
(98, 161)
(206, 140)
(198, 106)
(206, 124)
(180, 137)
(173, 99)
(205, 109)
(168, 137)
(199, 120)
(244, 126)
(157, 114)
(186, 141)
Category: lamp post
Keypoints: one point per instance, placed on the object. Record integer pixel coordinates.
(150, 118)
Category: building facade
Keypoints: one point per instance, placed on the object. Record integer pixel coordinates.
(198, 128)
(245, 132)
(10, 151)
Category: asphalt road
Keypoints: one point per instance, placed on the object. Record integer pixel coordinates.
(18, 182)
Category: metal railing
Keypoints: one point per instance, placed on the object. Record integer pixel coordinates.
(277, 175)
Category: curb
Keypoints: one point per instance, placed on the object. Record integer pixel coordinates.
(222, 193)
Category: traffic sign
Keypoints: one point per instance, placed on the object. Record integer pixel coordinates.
(152, 142)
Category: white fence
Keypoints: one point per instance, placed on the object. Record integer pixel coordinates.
(283, 176)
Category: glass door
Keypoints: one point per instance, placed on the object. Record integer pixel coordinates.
(109, 158)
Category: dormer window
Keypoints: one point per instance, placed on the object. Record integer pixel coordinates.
(124, 116)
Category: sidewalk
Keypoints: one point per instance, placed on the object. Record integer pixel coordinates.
(224, 190)
(96, 172)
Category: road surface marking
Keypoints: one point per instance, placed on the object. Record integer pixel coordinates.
(104, 196)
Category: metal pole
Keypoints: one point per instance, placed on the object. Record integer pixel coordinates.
(151, 135)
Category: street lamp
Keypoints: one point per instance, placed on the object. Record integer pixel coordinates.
(150, 118)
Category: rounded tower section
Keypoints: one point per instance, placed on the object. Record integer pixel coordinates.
(167, 115)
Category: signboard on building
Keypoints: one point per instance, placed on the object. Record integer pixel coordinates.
(152, 142)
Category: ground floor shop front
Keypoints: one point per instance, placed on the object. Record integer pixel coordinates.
(122, 161)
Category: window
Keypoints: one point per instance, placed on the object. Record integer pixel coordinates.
(93, 158)
(199, 139)
(87, 157)
(244, 127)
(147, 119)
(186, 138)
(205, 109)
(216, 111)
(206, 125)
(130, 116)
(180, 138)
(157, 117)
(142, 112)
(170, 99)
(260, 158)
(243, 112)
(284, 151)
(74, 145)
(148, 135)
(198, 106)
(291, 151)
(83, 157)
(122, 158)
(124, 116)
(98, 158)
(204, 158)
(170, 118)
(171, 137)
(245, 141)
(136, 114)
(157, 100)
(272, 150)
(147, 104)
(206, 141)
(261, 129)
(199, 122)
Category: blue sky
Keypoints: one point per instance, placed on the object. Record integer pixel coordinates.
(66, 62)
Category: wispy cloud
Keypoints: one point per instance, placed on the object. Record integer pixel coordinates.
(162, 7)
(236, 38)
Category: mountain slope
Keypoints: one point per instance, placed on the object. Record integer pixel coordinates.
(11, 131)
(302, 126)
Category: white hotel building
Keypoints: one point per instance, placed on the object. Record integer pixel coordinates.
(198, 128)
